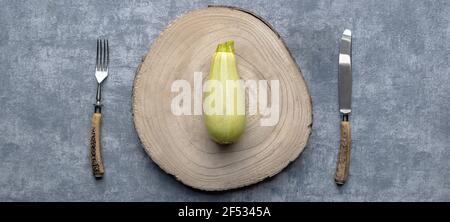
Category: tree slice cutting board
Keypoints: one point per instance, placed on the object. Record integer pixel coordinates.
(180, 144)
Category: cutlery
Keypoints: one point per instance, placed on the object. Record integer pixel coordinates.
(101, 72)
(345, 99)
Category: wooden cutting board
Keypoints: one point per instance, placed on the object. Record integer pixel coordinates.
(180, 144)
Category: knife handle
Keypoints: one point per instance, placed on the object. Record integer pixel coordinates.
(343, 163)
(96, 148)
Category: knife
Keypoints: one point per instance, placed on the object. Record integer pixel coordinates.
(345, 101)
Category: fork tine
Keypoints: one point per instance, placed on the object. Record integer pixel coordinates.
(101, 55)
(104, 54)
(98, 52)
(107, 54)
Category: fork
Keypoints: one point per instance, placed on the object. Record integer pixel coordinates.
(101, 72)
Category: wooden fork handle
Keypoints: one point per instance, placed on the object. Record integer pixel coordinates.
(96, 148)
(343, 163)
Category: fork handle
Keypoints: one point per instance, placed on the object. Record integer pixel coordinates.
(343, 163)
(96, 148)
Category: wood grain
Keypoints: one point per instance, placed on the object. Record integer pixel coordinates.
(96, 148)
(343, 163)
(180, 144)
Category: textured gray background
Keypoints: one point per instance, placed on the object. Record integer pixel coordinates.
(401, 100)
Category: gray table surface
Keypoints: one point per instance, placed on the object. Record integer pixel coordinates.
(401, 100)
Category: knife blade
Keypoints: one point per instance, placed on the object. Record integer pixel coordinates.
(345, 73)
(345, 100)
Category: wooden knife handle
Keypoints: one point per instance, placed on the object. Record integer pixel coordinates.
(343, 163)
(96, 148)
